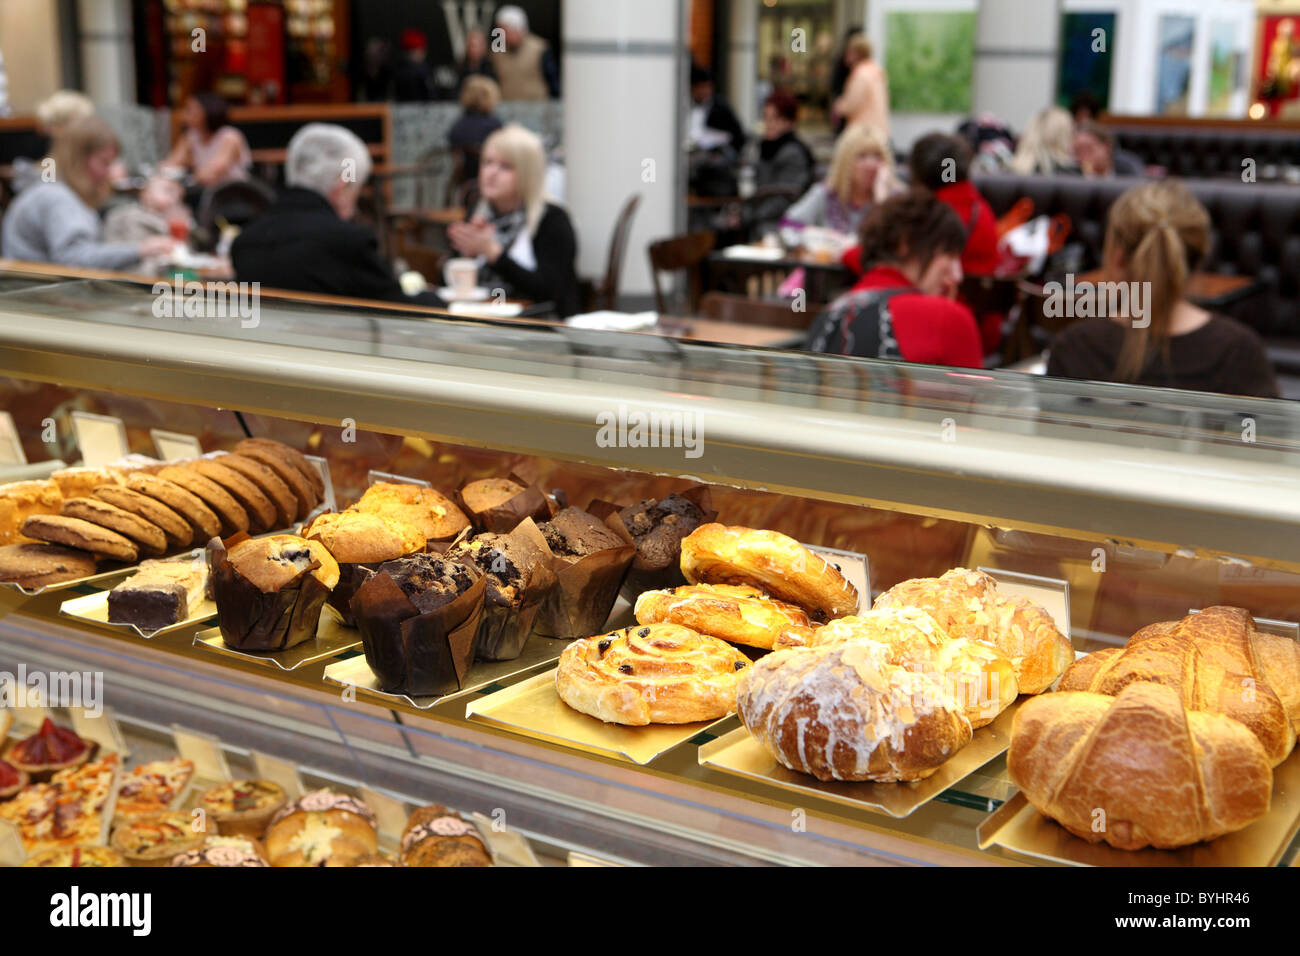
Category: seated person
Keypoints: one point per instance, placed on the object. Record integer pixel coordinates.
(903, 307)
(304, 240)
(209, 148)
(524, 245)
(783, 158)
(713, 123)
(1046, 147)
(941, 163)
(1099, 157)
(53, 114)
(1155, 235)
(58, 221)
(161, 206)
(861, 174)
(479, 96)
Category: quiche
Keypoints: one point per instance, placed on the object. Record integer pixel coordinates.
(243, 807)
(67, 811)
(68, 856)
(152, 788)
(154, 839)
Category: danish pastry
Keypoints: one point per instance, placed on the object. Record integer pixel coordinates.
(770, 561)
(735, 613)
(967, 604)
(654, 674)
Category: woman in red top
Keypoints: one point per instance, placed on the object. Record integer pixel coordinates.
(903, 307)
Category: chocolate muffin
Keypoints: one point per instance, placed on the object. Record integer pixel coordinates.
(360, 542)
(499, 504)
(518, 579)
(574, 534)
(429, 581)
(658, 528)
(590, 562)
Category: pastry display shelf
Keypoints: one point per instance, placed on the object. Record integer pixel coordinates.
(1206, 474)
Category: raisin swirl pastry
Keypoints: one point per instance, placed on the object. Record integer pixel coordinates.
(655, 674)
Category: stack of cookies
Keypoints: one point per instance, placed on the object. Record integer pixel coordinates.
(128, 514)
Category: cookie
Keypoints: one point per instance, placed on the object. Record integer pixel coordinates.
(286, 503)
(76, 533)
(202, 519)
(144, 533)
(292, 455)
(37, 564)
(177, 529)
(261, 512)
(284, 468)
(232, 514)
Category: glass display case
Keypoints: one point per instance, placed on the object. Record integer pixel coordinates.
(1129, 505)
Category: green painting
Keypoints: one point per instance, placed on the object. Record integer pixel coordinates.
(930, 58)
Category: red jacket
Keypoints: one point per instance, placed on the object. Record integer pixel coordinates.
(930, 329)
(980, 257)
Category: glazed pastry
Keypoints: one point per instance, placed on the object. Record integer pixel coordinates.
(223, 851)
(1211, 660)
(38, 564)
(967, 604)
(147, 535)
(203, 521)
(845, 711)
(735, 613)
(243, 807)
(435, 836)
(435, 515)
(11, 779)
(160, 594)
(322, 829)
(77, 856)
(772, 562)
(1137, 769)
(519, 578)
(153, 839)
(153, 788)
(268, 483)
(234, 518)
(176, 529)
(50, 749)
(299, 484)
(83, 535)
(288, 454)
(19, 500)
(360, 541)
(653, 674)
(269, 591)
(261, 510)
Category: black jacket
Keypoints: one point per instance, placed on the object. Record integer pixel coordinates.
(555, 280)
(301, 244)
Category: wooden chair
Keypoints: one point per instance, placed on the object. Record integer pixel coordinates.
(769, 313)
(603, 293)
(679, 253)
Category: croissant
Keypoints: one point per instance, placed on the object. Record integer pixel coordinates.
(1211, 660)
(845, 709)
(980, 677)
(1138, 769)
(967, 604)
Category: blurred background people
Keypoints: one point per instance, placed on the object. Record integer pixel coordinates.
(861, 174)
(53, 114)
(478, 100)
(840, 76)
(526, 69)
(1099, 157)
(209, 149)
(902, 308)
(784, 160)
(524, 244)
(412, 79)
(1156, 233)
(865, 100)
(940, 163)
(476, 61)
(1046, 146)
(713, 123)
(58, 221)
(159, 211)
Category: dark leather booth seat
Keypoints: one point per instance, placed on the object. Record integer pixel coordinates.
(1210, 153)
(1255, 232)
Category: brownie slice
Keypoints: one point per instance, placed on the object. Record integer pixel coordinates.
(430, 581)
(160, 594)
(658, 528)
(573, 533)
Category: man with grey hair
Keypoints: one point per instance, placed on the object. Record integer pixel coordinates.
(305, 241)
(524, 64)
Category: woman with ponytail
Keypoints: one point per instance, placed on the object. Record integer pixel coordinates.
(1156, 234)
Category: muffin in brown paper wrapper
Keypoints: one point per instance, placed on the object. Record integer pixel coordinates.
(351, 577)
(506, 625)
(422, 654)
(532, 502)
(648, 574)
(585, 590)
(253, 621)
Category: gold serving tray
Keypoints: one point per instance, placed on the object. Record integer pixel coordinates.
(332, 638)
(534, 709)
(96, 578)
(93, 608)
(740, 754)
(538, 652)
(1017, 826)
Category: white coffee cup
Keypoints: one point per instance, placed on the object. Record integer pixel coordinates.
(461, 275)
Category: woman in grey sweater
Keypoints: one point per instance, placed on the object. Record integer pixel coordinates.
(57, 219)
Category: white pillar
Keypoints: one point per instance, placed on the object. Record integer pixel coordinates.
(624, 120)
(107, 54)
(1016, 47)
(742, 73)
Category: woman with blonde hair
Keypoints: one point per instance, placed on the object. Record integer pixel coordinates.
(861, 174)
(1155, 236)
(524, 244)
(1047, 145)
(57, 219)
